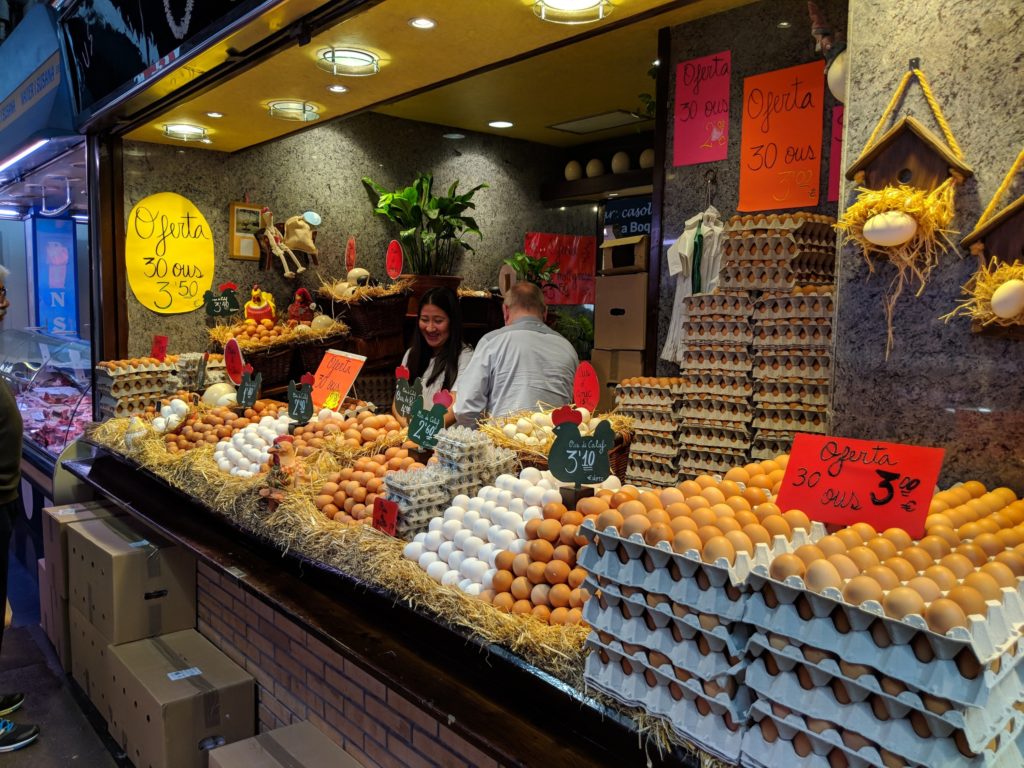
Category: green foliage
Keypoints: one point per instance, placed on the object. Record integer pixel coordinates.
(537, 270)
(431, 229)
(578, 330)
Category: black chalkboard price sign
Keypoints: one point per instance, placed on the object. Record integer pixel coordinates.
(300, 399)
(249, 389)
(425, 425)
(225, 304)
(406, 393)
(577, 458)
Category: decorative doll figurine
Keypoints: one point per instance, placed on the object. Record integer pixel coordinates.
(260, 306)
(274, 241)
(301, 310)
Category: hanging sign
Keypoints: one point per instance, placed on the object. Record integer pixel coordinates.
(334, 378)
(406, 393)
(159, 348)
(393, 262)
(576, 257)
(586, 390)
(844, 481)
(350, 254)
(577, 458)
(425, 425)
(835, 169)
(168, 254)
(702, 109)
(780, 147)
(300, 399)
(385, 516)
(56, 275)
(249, 389)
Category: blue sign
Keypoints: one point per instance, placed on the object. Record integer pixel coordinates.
(628, 216)
(56, 275)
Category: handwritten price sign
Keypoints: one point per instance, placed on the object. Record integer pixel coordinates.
(586, 390)
(702, 109)
(780, 148)
(385, 516)
(334, 378)
(845, 481)
(159, 348)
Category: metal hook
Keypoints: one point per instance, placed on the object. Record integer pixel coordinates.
(67, 199)
(915, 63)
(711, 186)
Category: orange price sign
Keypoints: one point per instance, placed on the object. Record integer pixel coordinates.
(845, 481)
(334, 378)
(780, 146)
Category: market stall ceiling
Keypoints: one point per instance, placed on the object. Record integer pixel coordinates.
(422, 72)
(47, 185)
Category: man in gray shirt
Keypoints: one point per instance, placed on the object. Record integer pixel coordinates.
(516, 367)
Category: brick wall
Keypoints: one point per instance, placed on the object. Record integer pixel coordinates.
(300, 678)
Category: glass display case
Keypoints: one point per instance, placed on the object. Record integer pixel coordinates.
(52, 383)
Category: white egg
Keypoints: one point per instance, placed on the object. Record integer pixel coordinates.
(433, 541)
(179, 407)
(427, 558)
(413, 550)
(524, 427)
(461, 501)
(612, 483)
(503, 539)
(493, 531)
(1008, 299)
(474, 570)
(531, 475)
(476, 504)
(521, 438)
(492, 560)
(520, 530)
(472, 545)
(480, 528)
(160, 424)
(504, 482)
(585, 413)
(517, 546)
(233, 471)
(552, 497)
(460, 537)
(420, 536)
(488, 579)
(450, 579)
(545, 484)
(174, 421)
(488, 493)
(473, 590)
(466, 566)
(324, 414)
(437, 570)
(254, 468)
(166, 411)
(534, 496)
(435, 524)
(469, 518)
(454, 513)
(449, 528)
(487, 511)
(509, 431)
(465, 584)
(484, 553)
(889, 228)
(518, 506)
(224, 465)
(541, 420)
(504, 499)
(532, 513)
(446, 548)
(455, 559)
(244, 473)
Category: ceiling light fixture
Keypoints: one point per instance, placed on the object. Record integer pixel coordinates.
(572, 11)
(10, 213)
(184, 132)
(656, 63)
(215, 115)
(294, 110)
(784, 25)
(500, 124)
(23, 154)
(422, 22)
(337, 89)
(353, 62)
(453, 136)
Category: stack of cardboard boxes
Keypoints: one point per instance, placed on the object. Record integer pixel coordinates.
(620, 314)
(119, 606)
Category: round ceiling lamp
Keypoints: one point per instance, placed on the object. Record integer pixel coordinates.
(353, 62)
(186, 132)
(291, 109)
(572, 11)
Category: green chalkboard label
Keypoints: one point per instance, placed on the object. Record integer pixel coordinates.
(249, 389)
(300, 401)
(581, 459)
(221, 306)
(405, 396)
(425, 425)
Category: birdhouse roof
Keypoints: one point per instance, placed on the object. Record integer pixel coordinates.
(995, 222)
(870, 154)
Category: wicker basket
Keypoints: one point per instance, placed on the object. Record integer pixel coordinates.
(371, 318)
(311, 353)
(274, 364)
(618, 458)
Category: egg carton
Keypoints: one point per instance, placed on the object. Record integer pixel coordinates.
(716, 384)
(712, 461)
(794, 306)
(126, 406)
(815, 263)
(112, 369)
(794, 366)
(713, 729)
(738, 413)
(655, 443)
(703, 332)
(792, 336)
(731, 440)
(644, 397)
(716, 360)
(651, 470)
(818, 668)
(456, 444)
(858, 733)
(766, 276)
(785, 419)
(797, 221)
(792, 391)
(767, 444)
(719, 305)
(946, 672)
(661, 421)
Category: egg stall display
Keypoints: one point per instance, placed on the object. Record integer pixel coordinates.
(171, 416)
(347, 496)
(186, 371)
(126, 387)
(358, 430)
(246, 453)
(892, 651)
(420, 496)
(654, 449)
(204, 426)
(668, 570)
(254, 335)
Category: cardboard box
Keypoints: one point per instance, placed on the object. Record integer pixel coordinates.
(612, 366)
(301, 745)
(175, 697)
(53, 616)
(55, 524)
(625, 255)
(128, 583)
(90, 661)
(620, 312)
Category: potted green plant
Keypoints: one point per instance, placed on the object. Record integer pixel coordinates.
(431, 228)
(533, 269)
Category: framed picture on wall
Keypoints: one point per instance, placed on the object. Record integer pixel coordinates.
(244, 224)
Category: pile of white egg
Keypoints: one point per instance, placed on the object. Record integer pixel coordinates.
(171, 416)
(459, 548)
(538, 430)
(247, 450)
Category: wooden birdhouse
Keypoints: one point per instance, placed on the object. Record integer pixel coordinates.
(908, 153)
(1001, 236)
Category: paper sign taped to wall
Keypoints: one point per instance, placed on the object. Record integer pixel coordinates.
(701, 110)
(334, 378)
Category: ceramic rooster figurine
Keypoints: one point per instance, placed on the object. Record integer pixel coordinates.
(301, 310)
(274, 240)
(260, 306)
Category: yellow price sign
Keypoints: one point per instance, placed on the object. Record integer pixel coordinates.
(169, 254)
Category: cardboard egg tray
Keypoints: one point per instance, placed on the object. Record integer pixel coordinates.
(662, 422)
(119, 368)
(789, 705)
(805, 222)
(643, 397)
(805, 335)
(131, 385)
(793, 306)
(127, 405)
(768, 444)
(716, 732)
(782, 364)
(708, 461)
(979, 724)
(796, 417)
(730, 440)
(651, 470)
(717, 360)
(725, 306)
(703, 332)
(712, 384)
(776, 275)
(656, 444)
(726, 409)
(986, 651)
(781, 391)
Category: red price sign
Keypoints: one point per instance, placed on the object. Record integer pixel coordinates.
(159, 349)
(394, 259)
(385, 516)
(586, 390)
(350, 254)
(234, 364)
(844, 481)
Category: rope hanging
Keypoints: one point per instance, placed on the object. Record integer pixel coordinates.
(1007, 180)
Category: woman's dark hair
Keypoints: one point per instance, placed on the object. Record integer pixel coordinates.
(420, 353)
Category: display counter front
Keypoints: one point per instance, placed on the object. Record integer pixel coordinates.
(387, 682)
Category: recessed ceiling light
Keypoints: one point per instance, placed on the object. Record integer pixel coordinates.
(613, 194)
(656, 63)
(562, 208)
(422, 22)
(184, 132)
(572, 11)
(454, 136)
(215, 115)
(291, 109)
(337, 88)
(784, 24)
(500, 124)
(353, 62)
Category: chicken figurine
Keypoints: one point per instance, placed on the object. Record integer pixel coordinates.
(260, 306)
(301, 310)
(575, 458)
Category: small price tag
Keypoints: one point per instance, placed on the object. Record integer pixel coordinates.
(350, 254)
(249, 389)
(234, 364)
(844, 481)
(394, 260)
(159, 349)
(586, 390)
(425, 425)
(181, 674)
(300, 401)
(221, 306)
(406, 394)
(576, 458)
(385, 516)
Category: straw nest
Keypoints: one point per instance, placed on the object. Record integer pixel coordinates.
(915, 259)
(339, 290)
(478, 293)
(979, 290)
(220, 333)
(621, 425)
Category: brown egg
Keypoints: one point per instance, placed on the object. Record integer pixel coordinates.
(861, 588)
(689, 488)
(503, 601)
(786, 565)
(936, 546)
(925, 587)
(1001, 572)
(635, 524)
(520, 563)
(560, 596)
(669, 496)
(704, 516)
(882, 547)
(758, 534)
(776, 525)
(540, 550)
(554, 510)
(706, 532)
(522, 607)
(901, 567)
(849, 537)
(521, 587)
(899, 537)
(917, 557)
(549, 530)
(944, 614)
(535, 572)
(973, 552)
(556, 572)
(862, 557)
(682, 524)
(1012, 560)
(845, 566)
(726, 524)
(502, 581)
(903, 601)
(718, 547)
(958, 563)
(531, 526)
(948, 534)
(609, 518)
(685, 541)
(809, 553)
(631, 508)
(942, 576)
(985, 584)
(864, 530)
(970, 600)
(576, 577)
(740, 541)
(989, 543)
(766, 508)
(885, 577)
(1010, 537)
(821, 574)
(797, 519)
(658, 532)
(658, 516)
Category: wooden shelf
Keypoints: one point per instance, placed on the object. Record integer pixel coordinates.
(638, 182)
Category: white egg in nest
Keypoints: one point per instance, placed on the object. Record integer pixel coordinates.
(484, 553)
(160, 424)
(455, 559)
(454, 513)
(488, 580)
(520, 529)
(470, 517)
(461, 501)
(254, 468)
(450, 579)
(437, 570)
(518, 505)
(524, 427)
(531, 475)
(475, 504)
(427, 558)
(465, 584)
(420, 536)
(493, 559)
(551, 497)
(473, 590)
(503, 539)
(445, 549)
(413, 550)
(488, 493)
(472, 545)
(450, 527)
(521, 438)
(533, 513)
(504, 482)
(509, 431)
(534, 496)
(504, 499)
(474, 571)
(165, 411)
(433, 541)
(541, 420)
(585, 413)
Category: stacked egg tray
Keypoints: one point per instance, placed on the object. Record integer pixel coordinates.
(126, 387)
(471, 460)
(420, 494)
(882, 691)
(778, 251)
(655, 444)
(187, 367)
(668, 632)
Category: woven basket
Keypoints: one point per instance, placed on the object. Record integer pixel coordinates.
(368, 319)
(274, 364)
(618, 458)
(311, 353)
